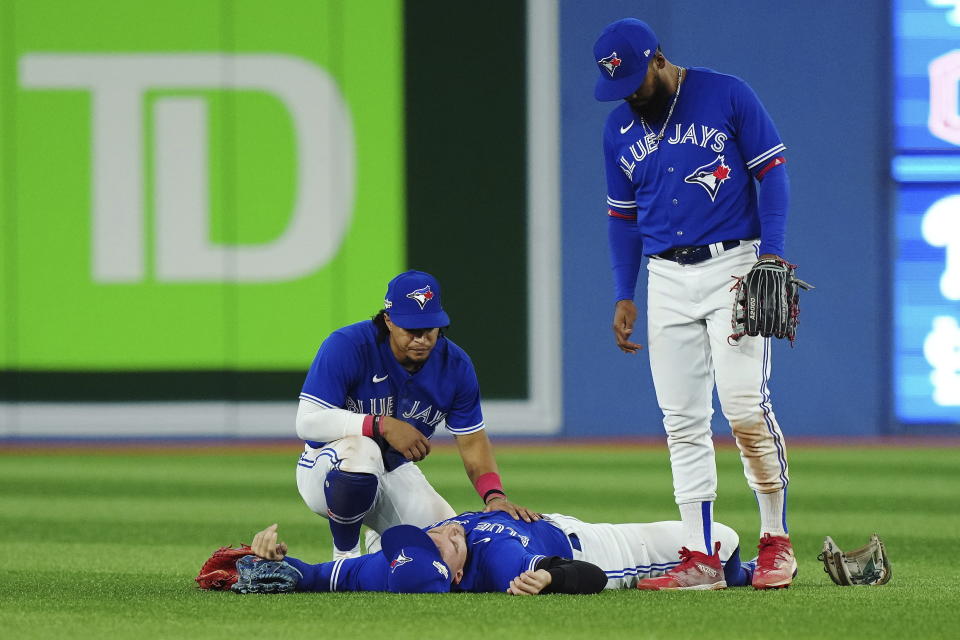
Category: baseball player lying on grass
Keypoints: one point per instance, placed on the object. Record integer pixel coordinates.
(482, 552)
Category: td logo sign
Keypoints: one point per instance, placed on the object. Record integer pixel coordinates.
(196, 185)
(184, 251)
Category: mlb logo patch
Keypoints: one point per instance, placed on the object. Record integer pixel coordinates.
(611, 63)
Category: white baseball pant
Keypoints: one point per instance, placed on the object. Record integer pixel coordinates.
(689, 310)
(403, 497)
(630, 552)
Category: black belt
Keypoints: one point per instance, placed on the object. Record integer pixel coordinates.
(693, 255)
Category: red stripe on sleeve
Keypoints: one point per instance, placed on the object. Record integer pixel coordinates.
(776, 162)
(617, 214)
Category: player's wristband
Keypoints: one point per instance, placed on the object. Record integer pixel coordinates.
(489, 484)
(371, 426)
(496, 493)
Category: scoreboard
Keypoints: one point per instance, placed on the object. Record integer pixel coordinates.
(925, 169)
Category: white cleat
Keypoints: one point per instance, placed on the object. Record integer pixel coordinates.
(351, 553)
(371, 540)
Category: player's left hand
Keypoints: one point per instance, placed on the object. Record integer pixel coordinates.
(530, 583)
(515, 510)
(265, 544)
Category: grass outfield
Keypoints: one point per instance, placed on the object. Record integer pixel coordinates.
(107, 545)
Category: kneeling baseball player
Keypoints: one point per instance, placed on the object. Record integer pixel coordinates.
(372, 399)
(485, 552)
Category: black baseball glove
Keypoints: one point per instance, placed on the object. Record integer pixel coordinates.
(767, 301)
(265, 576)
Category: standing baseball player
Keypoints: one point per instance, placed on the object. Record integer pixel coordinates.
(696, 182)
(483, 552)
(373, 397)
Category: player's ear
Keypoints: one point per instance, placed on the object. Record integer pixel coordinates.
(458, 576)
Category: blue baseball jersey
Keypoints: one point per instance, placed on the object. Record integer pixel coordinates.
(697, 185)
(500, 548)
(353, 370)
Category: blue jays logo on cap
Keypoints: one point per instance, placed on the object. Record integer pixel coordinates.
(710, 176)
(423, 295)
(399, 561)
(611, 63)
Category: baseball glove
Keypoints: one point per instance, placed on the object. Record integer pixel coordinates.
(866, 565)
(767, 301)
(220, 571)
(265, 576)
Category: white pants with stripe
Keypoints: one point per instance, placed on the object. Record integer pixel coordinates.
(689, 309)
(403, 497)
(631, 552)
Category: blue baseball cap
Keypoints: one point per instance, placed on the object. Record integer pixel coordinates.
(413, 301)
(415, 562)
(623, 52)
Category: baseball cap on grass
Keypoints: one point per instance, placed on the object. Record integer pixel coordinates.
(623, 52)
(413, 301)
(415, 562)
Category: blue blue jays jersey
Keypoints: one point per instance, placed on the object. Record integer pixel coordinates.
(500, 548)
(695, 186)
(353, 371)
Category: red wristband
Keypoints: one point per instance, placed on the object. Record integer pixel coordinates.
(488, 482)
(368, 426)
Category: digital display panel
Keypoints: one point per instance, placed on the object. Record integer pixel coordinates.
(926, 171)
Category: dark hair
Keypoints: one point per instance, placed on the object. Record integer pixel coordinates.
(381, 325)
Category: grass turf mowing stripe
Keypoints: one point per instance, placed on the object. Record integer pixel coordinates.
(101, 545)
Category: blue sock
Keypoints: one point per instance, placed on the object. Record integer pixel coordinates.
(349, 497)
(735, 573)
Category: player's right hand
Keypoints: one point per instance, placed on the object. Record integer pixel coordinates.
(405, 438)
(530, 583)
(265, 544)
(623, 318)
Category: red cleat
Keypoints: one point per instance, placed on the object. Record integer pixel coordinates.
(776, 564)
(696, 571)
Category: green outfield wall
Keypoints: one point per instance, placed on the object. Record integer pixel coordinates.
(193, 194)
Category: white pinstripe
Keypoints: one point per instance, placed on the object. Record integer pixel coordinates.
(766, 155)
(335, 574)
